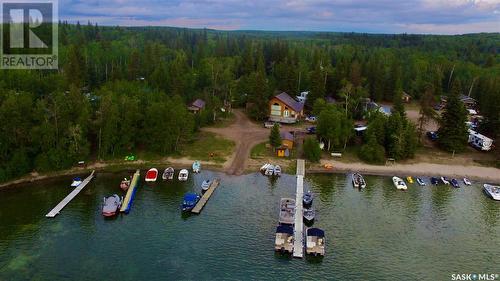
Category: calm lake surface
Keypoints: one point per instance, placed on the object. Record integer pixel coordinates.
(426, 233)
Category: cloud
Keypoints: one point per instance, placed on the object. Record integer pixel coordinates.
(383, 16)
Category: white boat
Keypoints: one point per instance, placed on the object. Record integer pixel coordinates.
(287, 211)
(151, 175)
(467, 181)
(196, 166)
(492, 191)
(444, 181)
(264, 167)
(358, 181)
(399, 183)
(277, 171)
(205, 185)
(269, 170)
(183, 175)
(76, 182)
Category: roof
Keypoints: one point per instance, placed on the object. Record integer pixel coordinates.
(199, 103)
(286, 136)
(284, 229)
(290, 102)
(315, 232)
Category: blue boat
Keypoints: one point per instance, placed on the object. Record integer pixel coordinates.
(190, 200)
(196, 166)
(434, 181)
(455, 183)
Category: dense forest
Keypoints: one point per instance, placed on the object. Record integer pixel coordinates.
(119, 89)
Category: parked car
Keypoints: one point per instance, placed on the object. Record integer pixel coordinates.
(311, 130)
(270, 124)
(432, 135)
(438, 107)
(311, 119)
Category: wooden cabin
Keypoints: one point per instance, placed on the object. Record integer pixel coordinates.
(285, 109)
(197, 106)
(287, 139)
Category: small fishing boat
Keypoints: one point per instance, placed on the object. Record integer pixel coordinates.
(196, 166)
(315, 242)
(152, 175)
(76, 182)
(190, 200)
(420, 182)
(269, 170)
(309, 215)
(125, 184)
(455, 183)
(307, 198)
(283, 241)
(264, 167)
(409, 179)
(111, 205)
(183, 175)
(445, 181)
(492, 191)
(399, 183)
(287, 211)
(205, 185)
(168, 174)
(467, 181)
(434, 181)
(358, 181)
(277, 171)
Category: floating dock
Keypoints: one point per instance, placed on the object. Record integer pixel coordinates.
(57, 209)
(298, 239)
(213, 185)
(129, 198)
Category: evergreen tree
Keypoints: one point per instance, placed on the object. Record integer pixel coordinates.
(453, 133)
(312, 152)
(275, 137)
(372, 151)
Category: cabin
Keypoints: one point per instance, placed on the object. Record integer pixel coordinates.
(406, 97)
(197, 106)
(285, 109)
(287, 139)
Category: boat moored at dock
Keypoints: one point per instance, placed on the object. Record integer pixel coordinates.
(287, 211)
(277, 171)
(168, 174)
(315, 242)
(307, 198)
(205, 185)
(111, 205)
(269, 170)
(125, 184)
(196, 167)
(492, 191)
(399, 183)
(283, 241)
(183, 175)
(309, 215)
(151, 175)
(76, 182)
(189, 201)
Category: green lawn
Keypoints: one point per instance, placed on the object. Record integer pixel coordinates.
(208, 147)
(259, 151)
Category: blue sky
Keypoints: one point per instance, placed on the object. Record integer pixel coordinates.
(384, 16)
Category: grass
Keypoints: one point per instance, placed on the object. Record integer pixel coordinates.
(208, 147)
(259, 151)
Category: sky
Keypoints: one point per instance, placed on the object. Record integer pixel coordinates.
(372, 16)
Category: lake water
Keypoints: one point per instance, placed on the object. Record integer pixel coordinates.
(426, 233)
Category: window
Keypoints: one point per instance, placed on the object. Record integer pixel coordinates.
(276, 109)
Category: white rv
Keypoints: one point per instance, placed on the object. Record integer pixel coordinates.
(479, 141)
(302, 97)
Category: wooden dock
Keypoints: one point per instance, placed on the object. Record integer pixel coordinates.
(57, 209)
(213, 185)
(129, 197)
(298, 239)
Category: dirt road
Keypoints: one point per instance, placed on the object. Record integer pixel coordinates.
(246, 135)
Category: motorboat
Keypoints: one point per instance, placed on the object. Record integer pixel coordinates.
(434, 181)
(277, 171)
(189, 201)
(264, 167)
(358, 181)
(183, 175)
(283, 241)
(287, 211)
(76, 182)
(455, 183)
(196, 166)
(152, 175)
(445, 181)
(492, 191)
(168, 174)
(467, 181)
(315, 242)
(125, 184)
(269, 170)
(399, 183)
(307, 198)
(205, 185)
(409, 179)
(420, 182)
(111, 205)
(309, 215)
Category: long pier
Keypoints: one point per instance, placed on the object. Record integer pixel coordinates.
(129, 197)
(213, 185)
(298, 239)
(57, 209)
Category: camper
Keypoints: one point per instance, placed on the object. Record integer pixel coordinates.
(479, 141)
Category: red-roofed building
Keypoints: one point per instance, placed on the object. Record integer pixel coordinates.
(284, 109)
